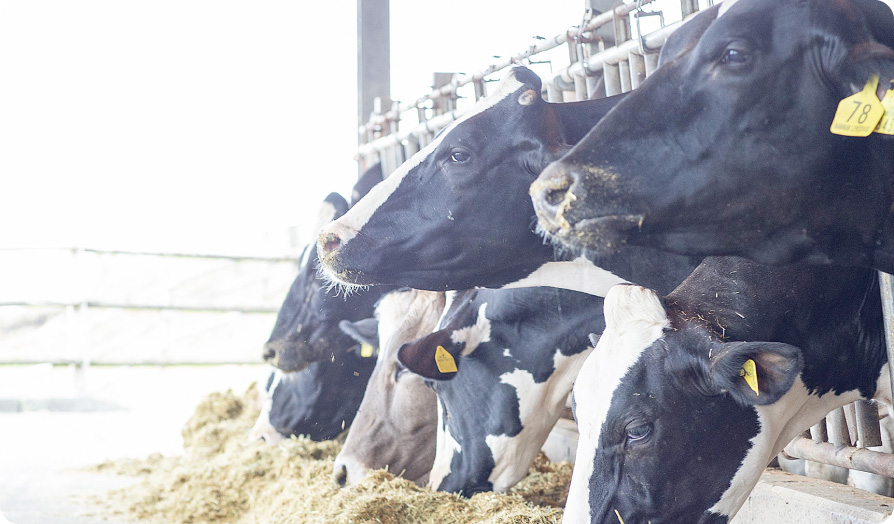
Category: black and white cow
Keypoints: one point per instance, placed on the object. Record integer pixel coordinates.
(457, 214)
(728, 148)
(679, 415)
(306, 328)
(516, 352)
(319, 401)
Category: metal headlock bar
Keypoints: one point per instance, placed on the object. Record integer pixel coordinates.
(844, 436)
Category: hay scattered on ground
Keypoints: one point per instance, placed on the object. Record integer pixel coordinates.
(222, 478)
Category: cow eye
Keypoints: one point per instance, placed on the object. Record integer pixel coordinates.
(735, 56)
(638, 433)
(458, 156)
(399, 370)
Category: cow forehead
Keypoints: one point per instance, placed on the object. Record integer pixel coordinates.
(359, 215)
(635, 320)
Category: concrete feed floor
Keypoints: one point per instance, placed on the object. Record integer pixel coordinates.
(56, 420)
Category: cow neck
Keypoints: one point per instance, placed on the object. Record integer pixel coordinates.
(793, 304)
(578, 118)
(579, 274)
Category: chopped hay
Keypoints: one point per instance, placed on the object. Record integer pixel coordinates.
(222, 478)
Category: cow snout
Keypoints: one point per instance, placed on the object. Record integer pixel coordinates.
(552, 196)
(340, 475)
(333, 237)
(270, 355)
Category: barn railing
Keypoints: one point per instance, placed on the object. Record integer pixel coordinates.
(394, 134)
(87, 306)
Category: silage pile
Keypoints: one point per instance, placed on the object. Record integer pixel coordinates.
(222, 478)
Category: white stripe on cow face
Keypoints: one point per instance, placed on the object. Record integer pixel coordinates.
(579, 274)
(353, 221)
(472, 336)
(539, 407)
(447, 446)
(634, 320)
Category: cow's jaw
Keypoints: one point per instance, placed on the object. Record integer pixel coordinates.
(447, 447)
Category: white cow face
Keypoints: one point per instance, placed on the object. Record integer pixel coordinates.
(669, 430)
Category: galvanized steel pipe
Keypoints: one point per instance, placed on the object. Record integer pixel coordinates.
(845, 457)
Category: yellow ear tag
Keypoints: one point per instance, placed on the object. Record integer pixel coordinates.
(886, 124)
(858, 114)
(366, 350)
(444, 360)
(749, 371)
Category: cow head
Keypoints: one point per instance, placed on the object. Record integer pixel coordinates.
(320, 401)
(727, 148)
(395, 425)
(516, 353)
(670, 429)
(306, 328)
(461, 200)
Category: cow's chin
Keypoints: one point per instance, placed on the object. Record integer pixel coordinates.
(346, 280)
(595, 237)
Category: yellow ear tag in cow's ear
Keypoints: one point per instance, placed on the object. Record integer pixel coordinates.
(858, 114)
(749, 371)
(366, 350)
(886, 124)
(444, 360)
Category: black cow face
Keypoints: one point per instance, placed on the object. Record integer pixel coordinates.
(320, 401)
(727, 148)
(460, 201)
(307, 326)
(515, 354)
(672, 420)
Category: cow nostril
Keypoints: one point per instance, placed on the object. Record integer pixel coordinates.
(269, 354)
(554, 197)
(341, 475)
(329, 242)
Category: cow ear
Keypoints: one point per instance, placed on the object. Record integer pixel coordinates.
(367, 181)
(364, 331)
(333, 206)
(855, 63)
(755, 373)
(865, 62)
(688, 35)
(433, 356)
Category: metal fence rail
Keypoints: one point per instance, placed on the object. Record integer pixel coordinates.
(843, 437)
(82, 305)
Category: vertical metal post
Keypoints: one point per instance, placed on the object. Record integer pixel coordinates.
(837, 428)
(886, 285)
(612, 76)
(553, 94)
(688, 7)
(818, 432)
(637, 69)
(624, 73)
(867, 424)
(373, 56)
(651, 63)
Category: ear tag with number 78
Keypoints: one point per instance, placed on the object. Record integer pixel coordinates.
(858, 114)
(886, 125)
